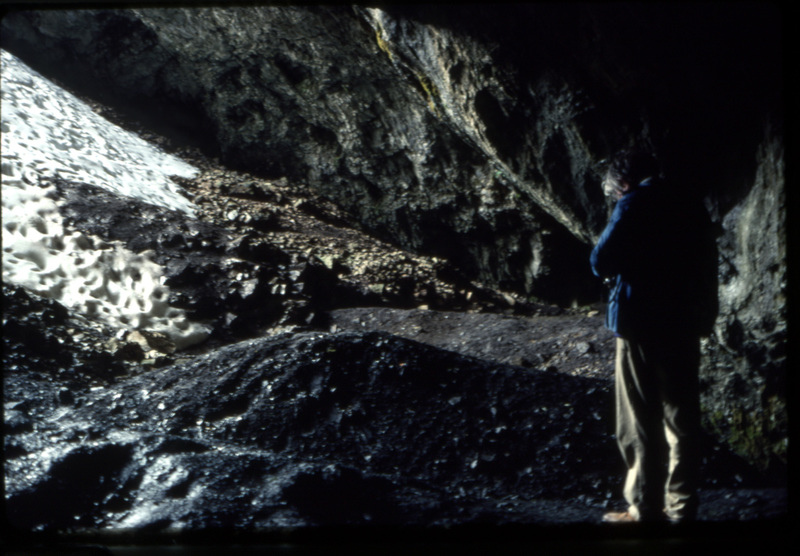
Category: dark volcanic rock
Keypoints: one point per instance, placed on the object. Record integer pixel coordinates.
(313, 429)
(370, 396)
(279, 419)
(42, 336)
(746, 359)
(570, 344)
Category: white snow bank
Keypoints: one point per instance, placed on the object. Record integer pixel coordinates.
(48, 132)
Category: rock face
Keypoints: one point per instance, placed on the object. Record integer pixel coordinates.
(319, 101)
(746, 357)
(479, 138)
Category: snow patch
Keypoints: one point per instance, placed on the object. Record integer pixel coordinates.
(46, 132)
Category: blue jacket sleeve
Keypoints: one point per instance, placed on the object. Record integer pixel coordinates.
(608, 256)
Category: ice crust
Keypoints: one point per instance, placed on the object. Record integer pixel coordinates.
(48, 132)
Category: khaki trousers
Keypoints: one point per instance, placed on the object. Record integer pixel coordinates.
(658, 425)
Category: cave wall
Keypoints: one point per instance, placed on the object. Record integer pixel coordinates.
(745, 360)
(480, 134)
(402, 130)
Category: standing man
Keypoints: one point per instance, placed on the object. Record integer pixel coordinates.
(659, 249)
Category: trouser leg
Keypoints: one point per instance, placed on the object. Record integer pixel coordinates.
(639, 431)
(681, 402)
(658, 404)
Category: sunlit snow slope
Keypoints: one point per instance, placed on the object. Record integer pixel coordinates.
(48, 132)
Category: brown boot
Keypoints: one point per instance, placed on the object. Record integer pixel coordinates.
(619, 517)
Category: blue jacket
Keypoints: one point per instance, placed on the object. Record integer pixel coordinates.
(660, 250)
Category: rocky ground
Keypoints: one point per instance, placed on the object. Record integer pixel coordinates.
(345, 382)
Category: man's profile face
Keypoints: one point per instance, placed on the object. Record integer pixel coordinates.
(615, 188)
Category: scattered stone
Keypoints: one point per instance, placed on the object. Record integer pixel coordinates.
(155, 340)
(66, 397)
(127, 351)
